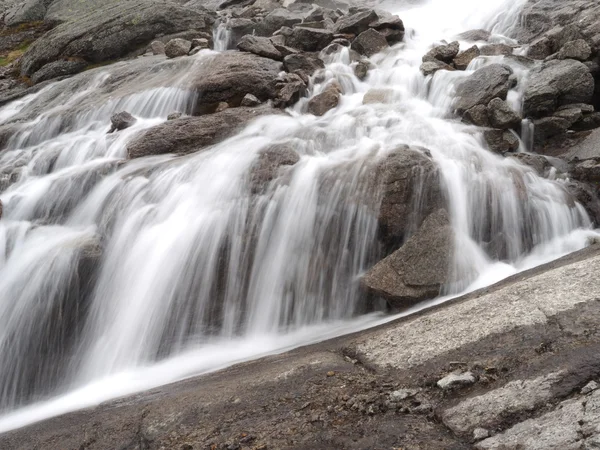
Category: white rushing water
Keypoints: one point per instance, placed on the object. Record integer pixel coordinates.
(196, 272)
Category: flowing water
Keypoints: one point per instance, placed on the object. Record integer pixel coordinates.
(120, 276)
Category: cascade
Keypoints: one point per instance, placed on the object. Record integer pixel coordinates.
(193, 269)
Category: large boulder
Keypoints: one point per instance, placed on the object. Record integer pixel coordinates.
(502, 116)
(112, 30)
(370, 42)
(229, 76)
(269, 163)
(482, 86)
(325, 101)
(419, 269)
(26, 11)
(192, 134)
(121, 120)
(356, 23)
(410, 190)
(260, 46)
(556, 83)
(308, 39)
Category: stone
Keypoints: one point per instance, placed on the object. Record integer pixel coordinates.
(369, 43)
(587, 122)
(445, 53)
(192, 134)
(308, 63)
(540, 48)
(431, 67)
(291, 87)
(475, 35)
(482, 86)
(309, 39)
(477, 115)
(402, 394)
(501, 141)
(281, 17)
(538, 162)
(250, 100)
(361, 69)
(456, 380)
(121, 121)
(502, 116)
(269, 164)
(157, 47)
(177, 47)
(355, 23)
(418, 270)
(174, 116)
(378, 95)
(25, 12)
(325, 101)
(549, 128)
(496, 50)
(200, 43)
(463, 59)
(556, 83)
(111, 30)
(58, 69)
(260, 46)
(480, 433)
(587, 170)
(579, 50)
(590, 387)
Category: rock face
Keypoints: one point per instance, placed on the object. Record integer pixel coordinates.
(557, 83)
(192, 134)
(482, 86)
(419, 269)
(229, 76)
(112, 31)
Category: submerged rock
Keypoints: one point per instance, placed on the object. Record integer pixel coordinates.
(269, 164)
(326, 100)
(121, 121)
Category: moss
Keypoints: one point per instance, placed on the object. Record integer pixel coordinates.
(15, 54)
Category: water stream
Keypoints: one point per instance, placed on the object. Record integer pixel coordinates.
(196, 271)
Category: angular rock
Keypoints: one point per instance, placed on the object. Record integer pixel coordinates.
(269, 163)
(548, 128)
(431, 67)
(290, 88)
(456, 380)
(538, 162)
(309, 39)
(177, 47)
(477, 115)
(501, 141)
(554, 84)
(540, 48)
(496, 50)
(250, 100)
(58, 69)
(502, 116)
(418, 270)
(192, 134)
(308, 63)
(120, 121)
(587, 170)
(25, 12)
(325, 101)
(445, 53)
(579, 50)
(369, 43)
(157, 47)
(463, 59)
(260, 46)
(355, 23)
(475, 35)
(482, 86)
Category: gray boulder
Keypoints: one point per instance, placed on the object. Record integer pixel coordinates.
(502, 116)
(250, 100)
(477, 115)
(463, 59)
(269, 164)
(58, 69)
(26, 11)
(308, 63)
(356, 23)
(157, 47)
(501, 141)
(326, 100)
(556, 83)
(445, 53)
(290, 88)
(192, 134)
(120, 121)
(308, 39)
(431, 67)
(260, 46)
(419, 269)
(579, 50)
(111, 31)
(496, 50)
(177, 47)
(482, 86)
(369, 43)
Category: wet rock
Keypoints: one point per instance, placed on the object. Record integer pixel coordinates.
(369, 43)
(269, 165)
(538, 162)
(549, 128)
(200, 44)
(501, 141)
(579, 50)
(554, 84)
(418, 270)
(477, 115)
(456, 380)
(230, 76)
(480, 433)
(475, 35)
(177, 47)
(26, 11)
(587, 389)
(291, 87)
(482, 86)
(355, 23)
(107, 32)
(281, 17)
(361, 70)
(58, 69)
(587, 170)
(260, 46)
(445, 53)
(378, 95)
(431, 67)
(587, 122)
(157, 47)
(309, 39)
(502, 116)
(120, 121)
(250, 100)
(390, 26)
(540, 48)
(463, 59)
(496, 50)
(174, 116)
(308, 63)
(326, 100)
(192, 134)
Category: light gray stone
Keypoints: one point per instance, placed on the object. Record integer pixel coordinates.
(456, 380)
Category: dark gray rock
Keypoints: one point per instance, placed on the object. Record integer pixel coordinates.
(463, 59)
(260, 46)
(540, 48)
(26, 11)
(482, 86)
(281, 17)
(502, 116)
(501, 141)
(200, 44)
(538, 162)
(445, 53)
(419, 269)
(58, 69)
(431, 67)
(475, 35)
(361, 69)
(356, 23)
(579, 50)
(308, 39)
(477, 115)
(157, 47)
(308, 63)
(120, 121)
(290, 88)
(369, 43)
(325, 101)
(177, 47)
(556, 83)
(192, 134)
(548, 128)
(112, 31)
(269, 164)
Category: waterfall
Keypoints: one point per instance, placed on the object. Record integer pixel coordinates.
(195, 269)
